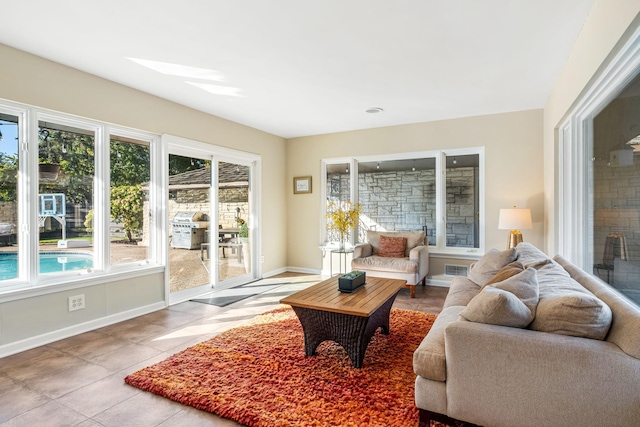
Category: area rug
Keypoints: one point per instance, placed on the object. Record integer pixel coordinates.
(258, 375)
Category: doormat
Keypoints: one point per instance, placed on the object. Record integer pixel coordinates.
(229, 296)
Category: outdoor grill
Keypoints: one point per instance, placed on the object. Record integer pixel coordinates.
(188, 230)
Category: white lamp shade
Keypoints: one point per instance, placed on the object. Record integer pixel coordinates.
(515, 219)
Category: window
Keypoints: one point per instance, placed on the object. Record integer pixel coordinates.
(52, 183)
(10, 126)
(66, 167)
(598, 198)
(463, 201)
(440, 193)
(130, 172)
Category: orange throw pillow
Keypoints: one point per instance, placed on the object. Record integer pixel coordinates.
(392, 247)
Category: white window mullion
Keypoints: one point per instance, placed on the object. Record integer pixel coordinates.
(28, 203)
(441, 200)
(101, 200)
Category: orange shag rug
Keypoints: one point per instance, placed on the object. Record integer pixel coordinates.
(258, 375)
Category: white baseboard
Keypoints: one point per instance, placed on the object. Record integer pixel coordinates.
(49, 337)
(440, 283)
(299, 270)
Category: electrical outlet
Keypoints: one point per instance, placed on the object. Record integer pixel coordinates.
(76, 302)
(262, 258)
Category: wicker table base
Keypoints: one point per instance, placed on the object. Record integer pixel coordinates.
(353, 333)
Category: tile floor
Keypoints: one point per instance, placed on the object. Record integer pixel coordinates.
(79, 381)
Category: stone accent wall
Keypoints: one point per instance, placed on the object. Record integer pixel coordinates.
(406, 200)
(462, 207)
(399, 201)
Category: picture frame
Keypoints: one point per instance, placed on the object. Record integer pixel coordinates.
(301, 185)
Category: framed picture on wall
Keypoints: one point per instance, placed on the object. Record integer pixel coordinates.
(301, 184)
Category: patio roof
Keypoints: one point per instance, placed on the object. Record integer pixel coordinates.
(230, 175)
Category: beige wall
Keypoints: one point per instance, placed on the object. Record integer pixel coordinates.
(33, 80)
(513, 170)
(600, 35)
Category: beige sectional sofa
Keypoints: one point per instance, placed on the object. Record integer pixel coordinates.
(577, 363)
(412, 267)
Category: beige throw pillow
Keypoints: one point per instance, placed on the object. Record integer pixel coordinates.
(577, 314)
(511, 302)
(489, 265)
(505, 272)
(495, 306)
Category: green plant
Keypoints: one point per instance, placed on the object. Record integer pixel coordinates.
(353, 274)
(126, 207)
(244, 228)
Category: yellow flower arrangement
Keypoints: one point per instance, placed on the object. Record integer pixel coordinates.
(343, 216)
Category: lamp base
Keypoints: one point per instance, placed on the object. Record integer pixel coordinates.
(515, 237)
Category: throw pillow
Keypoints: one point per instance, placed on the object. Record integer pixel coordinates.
(489, 265)
(505, 272)
(392, 247)
(495, 306)
(511, 302)
(577, 314)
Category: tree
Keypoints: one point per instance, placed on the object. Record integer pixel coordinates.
(8, 177)
(126, 207)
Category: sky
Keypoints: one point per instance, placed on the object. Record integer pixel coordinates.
(9, 142)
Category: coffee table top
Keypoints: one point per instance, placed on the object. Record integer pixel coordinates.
(363, 302)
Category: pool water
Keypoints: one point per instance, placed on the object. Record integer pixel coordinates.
(50, 262)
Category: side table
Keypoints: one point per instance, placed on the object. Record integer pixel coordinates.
(342, 253)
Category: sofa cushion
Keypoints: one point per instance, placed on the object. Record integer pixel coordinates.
(393, 247)
(505, 272)
(414, 238)
(461, 291)
(429, 360)
(379, 263)
(511, 302)
(575, 313)
(489, 265)
(497, 307)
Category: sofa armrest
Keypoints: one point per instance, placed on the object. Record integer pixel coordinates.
(500, 376)
(362, 250)
(420, 254)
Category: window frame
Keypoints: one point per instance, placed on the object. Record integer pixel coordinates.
(440, 158)
(29, 281)
(573, 229)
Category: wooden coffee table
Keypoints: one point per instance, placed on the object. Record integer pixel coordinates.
(350, 319)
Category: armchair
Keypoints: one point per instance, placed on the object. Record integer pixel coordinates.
(411, 265)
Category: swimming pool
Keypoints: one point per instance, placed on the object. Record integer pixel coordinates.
(50, 262)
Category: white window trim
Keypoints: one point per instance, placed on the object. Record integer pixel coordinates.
(574, 192)
(197, 149)
(29, 282)
(440, 157)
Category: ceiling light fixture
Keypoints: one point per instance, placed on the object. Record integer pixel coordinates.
(374, 110)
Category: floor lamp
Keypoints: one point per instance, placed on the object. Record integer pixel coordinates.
(515, 220)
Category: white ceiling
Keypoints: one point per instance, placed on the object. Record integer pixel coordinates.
(313, 67)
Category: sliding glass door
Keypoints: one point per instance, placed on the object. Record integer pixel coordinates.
(212, 218)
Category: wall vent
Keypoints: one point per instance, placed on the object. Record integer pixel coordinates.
(455, 270)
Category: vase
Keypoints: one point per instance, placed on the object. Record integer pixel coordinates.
(246, 253)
